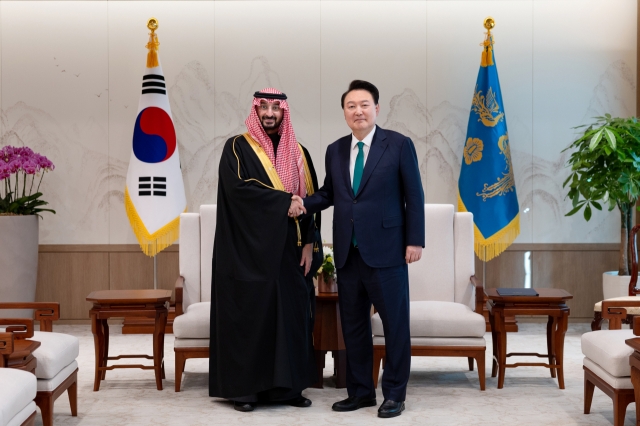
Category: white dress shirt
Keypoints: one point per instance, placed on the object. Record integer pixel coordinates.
(354, 150)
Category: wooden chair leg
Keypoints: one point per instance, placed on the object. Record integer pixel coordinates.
(619, 409)
(635, 379)
(72, 391)
(44, 401)
(588, 394)
(180, 362)
(596, 324)
(378, 357)
(470, 359)
(481, 369)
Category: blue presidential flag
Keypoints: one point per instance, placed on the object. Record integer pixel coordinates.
(487, 185)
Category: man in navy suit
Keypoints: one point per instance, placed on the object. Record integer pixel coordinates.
(373, 182)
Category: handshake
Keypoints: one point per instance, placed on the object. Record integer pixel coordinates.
(297, 207)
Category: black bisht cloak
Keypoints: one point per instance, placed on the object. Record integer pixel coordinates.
(261, 302)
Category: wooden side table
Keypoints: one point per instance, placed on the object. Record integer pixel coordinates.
(128, 303)
(550, 302)
(327, 336)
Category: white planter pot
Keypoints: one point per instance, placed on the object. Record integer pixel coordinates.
(18, 262)
(614, 285)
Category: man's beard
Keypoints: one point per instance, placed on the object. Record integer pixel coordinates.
(275, 124)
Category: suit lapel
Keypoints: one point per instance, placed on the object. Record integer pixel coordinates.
(378, 146)
(345, 156)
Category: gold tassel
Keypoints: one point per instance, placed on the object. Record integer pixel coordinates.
(152, 56)
(299, 234)
(486, 59)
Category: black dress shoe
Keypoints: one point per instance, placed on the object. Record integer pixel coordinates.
(244, 406)
(353, 403)
(390, 408)
(300, 402)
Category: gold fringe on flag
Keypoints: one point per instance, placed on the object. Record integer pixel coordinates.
(488, 248)
(151, 244)
(152, 56)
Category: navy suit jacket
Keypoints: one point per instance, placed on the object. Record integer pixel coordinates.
(387, 213)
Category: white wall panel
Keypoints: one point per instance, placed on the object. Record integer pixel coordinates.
(581, 69)
(54, 100)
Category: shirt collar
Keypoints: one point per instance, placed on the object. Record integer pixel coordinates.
(367, 139)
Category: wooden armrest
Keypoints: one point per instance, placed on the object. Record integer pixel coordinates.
(615, 312)
(479, 294)
(179, 297)
(45, 312)
(6, 343)
(21, 328)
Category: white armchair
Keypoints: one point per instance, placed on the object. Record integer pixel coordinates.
(57, 369)
(446, 299)
(17, 393)
(193, 288)
(606, 359)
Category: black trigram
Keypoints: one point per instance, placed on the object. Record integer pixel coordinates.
(159, 186)
(150, 84)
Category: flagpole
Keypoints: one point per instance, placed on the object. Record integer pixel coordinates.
(155, 272)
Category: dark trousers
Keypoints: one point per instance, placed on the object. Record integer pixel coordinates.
(359, 286)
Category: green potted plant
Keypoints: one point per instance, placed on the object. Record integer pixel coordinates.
(21, 172)
(326, 274)
(605, 169)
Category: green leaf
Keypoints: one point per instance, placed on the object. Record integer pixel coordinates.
(575, 209)
(595, 140)
(596, 205)
(611, 137)
(587, 213)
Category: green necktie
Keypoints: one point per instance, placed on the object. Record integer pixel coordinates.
(358, 169)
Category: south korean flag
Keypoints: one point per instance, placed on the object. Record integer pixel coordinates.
(154, 196)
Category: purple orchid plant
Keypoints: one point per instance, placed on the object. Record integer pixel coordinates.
(20, 168)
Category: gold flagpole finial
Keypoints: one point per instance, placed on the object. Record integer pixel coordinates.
(489, 23)
(152, 56)
(152, 24)
(487, 51)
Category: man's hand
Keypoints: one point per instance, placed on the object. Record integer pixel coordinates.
(305, 262)
(413, 254)
(296, 208)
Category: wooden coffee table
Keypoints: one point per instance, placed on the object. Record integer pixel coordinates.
(550, 302)
(327, 336)
(128, 303)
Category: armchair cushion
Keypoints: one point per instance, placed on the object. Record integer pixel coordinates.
(194, 323)
(17, 392)
(608, 349)
(630, 311)
(52, 384)
(57, 351)
(614, 382)
(438, 319)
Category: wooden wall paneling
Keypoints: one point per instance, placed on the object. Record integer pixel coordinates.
(130, 271)
(578, 272)
(506, 270)
(168, 270)
(68, 278)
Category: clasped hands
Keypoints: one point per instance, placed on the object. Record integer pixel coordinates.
(297, 207)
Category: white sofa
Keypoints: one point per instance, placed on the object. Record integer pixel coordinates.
(446, 299)
(193, 288)
(17, 393)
